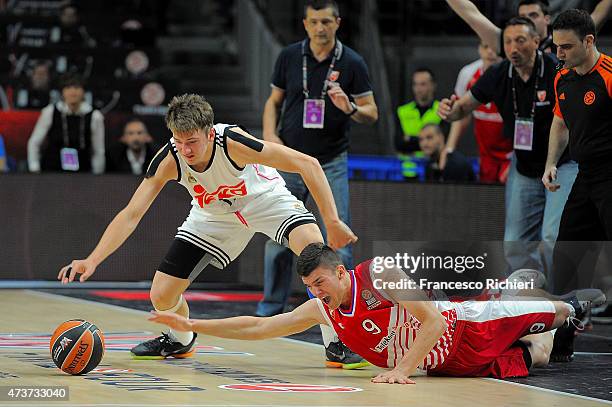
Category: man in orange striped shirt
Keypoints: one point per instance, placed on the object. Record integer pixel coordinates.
(583, 119)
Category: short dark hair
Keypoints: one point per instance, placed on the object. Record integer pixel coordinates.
(576, 20)
(436, 127)
(544, 5)
(322, 4)
(424, 69)
(522, 21)
(71, 79)
(315, 255)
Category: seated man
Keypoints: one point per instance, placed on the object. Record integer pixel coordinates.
(457, 168)
(134, 150)
(400, 328)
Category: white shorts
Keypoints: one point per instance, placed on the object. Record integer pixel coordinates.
(224, 236)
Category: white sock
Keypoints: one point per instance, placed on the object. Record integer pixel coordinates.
(181, 336)
(328, 334)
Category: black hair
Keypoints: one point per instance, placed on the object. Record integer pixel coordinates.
(522, 21)
(315, 255)
(71, 79)
(544, 5)
(576, 20)
(322, 4)
(424, 69)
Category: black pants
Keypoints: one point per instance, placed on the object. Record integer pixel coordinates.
(585, 223)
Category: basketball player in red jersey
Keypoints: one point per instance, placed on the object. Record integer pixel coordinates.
(401, 329)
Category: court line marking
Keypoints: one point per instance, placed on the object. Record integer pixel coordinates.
(118, 307)
(549, 390)
(594, 353)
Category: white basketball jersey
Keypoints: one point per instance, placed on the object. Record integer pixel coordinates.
(223, 186)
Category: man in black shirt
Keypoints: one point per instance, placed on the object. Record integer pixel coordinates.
(583, 118)
(323, 86)
(523, 90)
(458, 167)
(535, 10)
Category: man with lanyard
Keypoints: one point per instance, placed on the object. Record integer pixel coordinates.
(322, 86)
(582, 119)
(535, 10)
(522, 88)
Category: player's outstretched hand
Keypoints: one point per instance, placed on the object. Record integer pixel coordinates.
(174, 321)
(339, 235)
(83, 267)
(393, 376)
(549, 178)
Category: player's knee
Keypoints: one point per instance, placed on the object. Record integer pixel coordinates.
(163, 299)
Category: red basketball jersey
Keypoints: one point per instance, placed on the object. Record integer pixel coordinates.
(381, 330)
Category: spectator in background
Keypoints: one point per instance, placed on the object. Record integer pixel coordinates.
(458, 167)
(413, 116)
(134, 150)
(36, 93)
(72, 32)
(495, 149)
(69, 134)
(324, 86)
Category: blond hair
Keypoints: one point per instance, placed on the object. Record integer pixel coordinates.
(188, 113)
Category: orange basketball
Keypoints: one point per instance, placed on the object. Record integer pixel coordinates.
(77, 346)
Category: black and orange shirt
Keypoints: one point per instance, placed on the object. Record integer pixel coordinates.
(584, 102)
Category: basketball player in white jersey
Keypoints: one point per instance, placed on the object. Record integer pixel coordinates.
(401, 329)
(235, 191)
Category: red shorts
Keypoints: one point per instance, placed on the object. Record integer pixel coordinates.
(484, 340)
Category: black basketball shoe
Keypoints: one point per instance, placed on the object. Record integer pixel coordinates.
(581, 301)
(340, 356)
(162, 347)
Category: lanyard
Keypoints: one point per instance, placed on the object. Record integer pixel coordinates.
(305, 70)
(535, 87)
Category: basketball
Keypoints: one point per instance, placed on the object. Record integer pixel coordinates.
(77, 346)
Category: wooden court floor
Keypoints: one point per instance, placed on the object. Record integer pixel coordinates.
(276, 372)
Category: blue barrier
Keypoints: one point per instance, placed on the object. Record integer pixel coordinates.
(386, 168)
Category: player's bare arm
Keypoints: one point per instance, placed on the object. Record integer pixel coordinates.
(488, 32)
(557, 141)
(246, 149)
(457, 130)
(248, 328)
(271, 114)
(601, 13)
(124, 223)
(433, 326)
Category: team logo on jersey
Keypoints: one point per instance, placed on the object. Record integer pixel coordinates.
(541, 95)
(191, 179)
(370, 300)
(334, 75)
(223, 192)
(589, 98)
(562, 97)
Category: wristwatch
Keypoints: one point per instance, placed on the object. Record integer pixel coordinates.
(354, 109)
